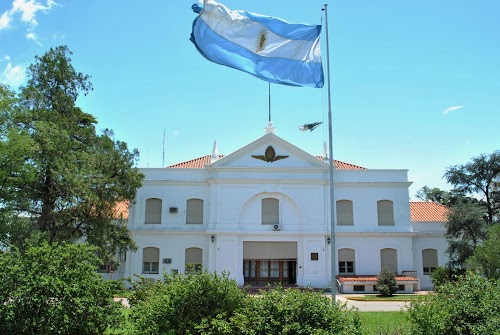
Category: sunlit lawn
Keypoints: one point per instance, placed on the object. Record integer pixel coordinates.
(384, 322)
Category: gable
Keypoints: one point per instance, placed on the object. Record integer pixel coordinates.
(270, 151)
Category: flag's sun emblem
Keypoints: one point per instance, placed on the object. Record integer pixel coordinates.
(260, 43)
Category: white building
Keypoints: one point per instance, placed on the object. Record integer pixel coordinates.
(262, 214)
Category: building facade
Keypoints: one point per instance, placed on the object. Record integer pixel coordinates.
(262, 214)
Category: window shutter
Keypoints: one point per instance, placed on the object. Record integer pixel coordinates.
(270, 211)
(344, 213)
(194, 211)
(194, 256)
(385, 213)
(151, 254)
(346, 255)
(389, 259)
(429, 258)
(153, 211)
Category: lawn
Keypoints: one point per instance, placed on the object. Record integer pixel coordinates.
(378, 323)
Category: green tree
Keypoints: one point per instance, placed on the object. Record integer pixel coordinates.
(66, 179)
(471, 305)
(54, 289)
(465, 230)
(386, 282)
(480, 179)
(434, 195)
(486, 257)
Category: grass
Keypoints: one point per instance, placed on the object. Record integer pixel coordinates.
(396, 297)
(384, 323)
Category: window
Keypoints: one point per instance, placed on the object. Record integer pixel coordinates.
(314, 256)
(194, 211)
(194, 260)
(344, 213)
(103, 268)
(429, 260)
(389, 259)
(346, 261)
(150, 260)
(401, 287)
(270, 211)
(375, 288)
(385, 213)
(153, 211)
(358, 288)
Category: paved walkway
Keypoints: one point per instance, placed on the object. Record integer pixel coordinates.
(373, 306)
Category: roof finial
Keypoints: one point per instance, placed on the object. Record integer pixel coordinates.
(215, 153)
(270, 128)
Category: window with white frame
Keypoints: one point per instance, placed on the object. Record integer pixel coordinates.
(429, 260)
(194, 211)
(153, 211)
(385, 210)
(344, 213)
(389, 259)
(270, 211)
(150, 260)
(193, 260)
(346, 261)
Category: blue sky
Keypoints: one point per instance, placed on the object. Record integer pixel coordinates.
(415, 84)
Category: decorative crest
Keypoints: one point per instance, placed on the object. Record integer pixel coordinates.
(269, 156)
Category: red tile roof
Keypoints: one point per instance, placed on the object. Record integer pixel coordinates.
(200, 162)
(428, 211)
(370, 278)
(121, 210)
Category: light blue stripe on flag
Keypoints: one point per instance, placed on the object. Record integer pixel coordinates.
(268, 48)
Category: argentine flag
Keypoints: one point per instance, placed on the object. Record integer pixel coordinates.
(266, 47)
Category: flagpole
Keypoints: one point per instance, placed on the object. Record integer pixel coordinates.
(332, 165)
(269, 100)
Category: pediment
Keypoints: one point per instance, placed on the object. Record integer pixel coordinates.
(269, 151)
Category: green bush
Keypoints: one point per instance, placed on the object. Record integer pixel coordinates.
(54, 289)
(442, 275)
(213, 304)
(291, 311)
(286, 311)
(179, 303)
(386, 282)
(470, 305)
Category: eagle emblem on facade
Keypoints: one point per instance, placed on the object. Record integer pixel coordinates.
(269, 155)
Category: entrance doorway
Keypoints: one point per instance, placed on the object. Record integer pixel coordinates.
(266, 271)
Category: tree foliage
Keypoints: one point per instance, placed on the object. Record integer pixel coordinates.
(386, 282)
(486, 258)
(434, 195)
(54, 289)
(479, 178)
(207, 303)
(474, 204)
(471, 305)
(57, 170)
(180, 302)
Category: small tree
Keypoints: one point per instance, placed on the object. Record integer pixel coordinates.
(386, 282)
(54, 289)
